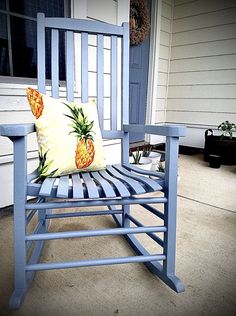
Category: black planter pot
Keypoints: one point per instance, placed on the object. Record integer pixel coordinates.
(225, 148)
(214, 161)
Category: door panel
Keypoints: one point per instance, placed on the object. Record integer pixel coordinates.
(135, 89)
(139, 59)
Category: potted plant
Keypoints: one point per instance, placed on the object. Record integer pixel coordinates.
(223, 145)
(140, 161)
(226, 128)
(153, 155)
(161, 167)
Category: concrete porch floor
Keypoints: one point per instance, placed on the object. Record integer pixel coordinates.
(206, 259)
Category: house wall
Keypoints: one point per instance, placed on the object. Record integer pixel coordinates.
(162, 19)
(202, 76)
(14, 106)
(164, 60)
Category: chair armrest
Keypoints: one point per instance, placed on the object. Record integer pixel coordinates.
(163, 130)
(16, 130)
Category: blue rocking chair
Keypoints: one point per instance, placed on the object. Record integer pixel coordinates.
(114, 189)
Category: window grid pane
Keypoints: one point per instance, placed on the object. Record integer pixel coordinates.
(3, 4)
(18, 29)
(4, 54)
(23, 47)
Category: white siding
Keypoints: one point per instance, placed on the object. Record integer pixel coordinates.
(202, 76)
(185, 9)
(164, 60)
(208, 19)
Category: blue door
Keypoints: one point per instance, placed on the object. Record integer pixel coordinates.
(139, 58)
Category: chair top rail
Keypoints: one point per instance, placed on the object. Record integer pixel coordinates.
(79, 25)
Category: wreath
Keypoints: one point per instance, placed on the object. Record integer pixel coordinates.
(139, 21)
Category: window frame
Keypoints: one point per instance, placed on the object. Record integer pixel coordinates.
(22, 80)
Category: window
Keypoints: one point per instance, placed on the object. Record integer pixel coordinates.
(18, 54)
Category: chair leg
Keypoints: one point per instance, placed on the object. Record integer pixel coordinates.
(165, 271)
(170, 212)
(19, 256)
(125, 219)
(48, 212)
(23, 279)
(20, 170)
(170, 246)
(42, 217)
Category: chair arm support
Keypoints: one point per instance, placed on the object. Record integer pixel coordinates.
(163, 130)
(16, 130)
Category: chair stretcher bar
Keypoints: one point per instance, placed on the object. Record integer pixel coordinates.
(98, 232)
(100, 202)
(94, 262)
(151, 235)
(153, 210)
(78, 214)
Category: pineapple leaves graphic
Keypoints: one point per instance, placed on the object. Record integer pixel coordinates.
(44, 166)
(82, 128)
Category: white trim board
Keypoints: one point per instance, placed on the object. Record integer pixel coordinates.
(153, 74)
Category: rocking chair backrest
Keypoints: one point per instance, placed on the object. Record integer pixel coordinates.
(111, 67)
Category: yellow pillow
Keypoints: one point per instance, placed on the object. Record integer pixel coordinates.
(68, 135)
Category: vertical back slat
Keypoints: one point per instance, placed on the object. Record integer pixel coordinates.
(41, 64)
(55, 63)
(125, 91)
(113, 83)
(125, 75)
(70, 65)
(84, 67)
(100, 78)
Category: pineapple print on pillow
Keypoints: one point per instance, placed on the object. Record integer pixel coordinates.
(82, 128)
(68, 135)
(44, 166)
(36, 102)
